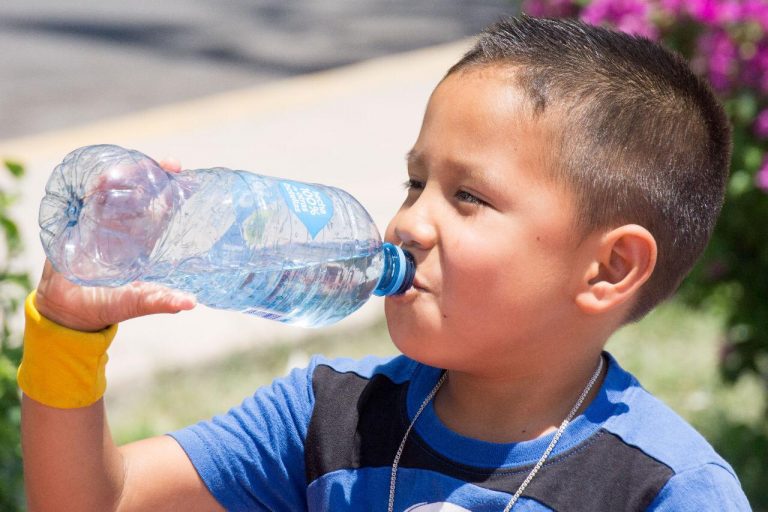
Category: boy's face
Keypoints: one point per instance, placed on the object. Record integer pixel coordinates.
(498, 261)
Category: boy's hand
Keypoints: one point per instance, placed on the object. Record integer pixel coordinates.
(92, 308)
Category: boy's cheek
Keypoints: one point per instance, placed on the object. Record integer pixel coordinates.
(414, 328)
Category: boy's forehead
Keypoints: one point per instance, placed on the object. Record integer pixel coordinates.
(477, 82)
(496, 96)
(508, 82)
(479, 124)
(478, 107)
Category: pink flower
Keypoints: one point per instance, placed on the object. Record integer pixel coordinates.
(754, 68)
(719, 55)
(761, 179)
(706, 11)
(631, 16)
(714, 12)
(727, 11)
(761, 124)
(762, 58)
(675, 7)
(550, 8)
(755, 10)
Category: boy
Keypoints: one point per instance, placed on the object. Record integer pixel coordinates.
(564, 181)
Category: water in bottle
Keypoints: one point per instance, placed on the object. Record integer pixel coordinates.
(294, 252)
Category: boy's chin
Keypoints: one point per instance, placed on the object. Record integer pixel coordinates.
(407, 345)
(417, 349)
(415, 329)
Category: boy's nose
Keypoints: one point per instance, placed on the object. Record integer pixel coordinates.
(414, 228)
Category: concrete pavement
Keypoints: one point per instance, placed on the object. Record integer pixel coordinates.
(76, 62)
(349, 127)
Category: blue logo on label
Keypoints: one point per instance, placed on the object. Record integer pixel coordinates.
(313, 207)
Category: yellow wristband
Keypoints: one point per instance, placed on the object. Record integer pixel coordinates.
(62, 367)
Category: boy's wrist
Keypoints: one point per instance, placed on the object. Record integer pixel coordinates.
(62, 367)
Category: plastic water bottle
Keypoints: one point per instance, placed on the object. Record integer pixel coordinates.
(294, 252)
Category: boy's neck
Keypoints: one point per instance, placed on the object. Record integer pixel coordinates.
(518, 407)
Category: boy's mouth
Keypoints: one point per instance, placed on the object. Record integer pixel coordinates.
(419, 285)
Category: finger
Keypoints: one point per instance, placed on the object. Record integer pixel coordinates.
(183, 301)
(159, 299)
(170, 164)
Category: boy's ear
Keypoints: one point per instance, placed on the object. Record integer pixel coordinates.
(623, 261)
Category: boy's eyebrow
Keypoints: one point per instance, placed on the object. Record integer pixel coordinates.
(417, 159)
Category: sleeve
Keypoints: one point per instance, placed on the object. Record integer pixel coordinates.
(252, 457)
(710, 487)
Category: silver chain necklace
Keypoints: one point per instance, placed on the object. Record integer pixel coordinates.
(539, 464)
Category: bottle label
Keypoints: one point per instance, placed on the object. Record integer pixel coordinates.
(310, 204)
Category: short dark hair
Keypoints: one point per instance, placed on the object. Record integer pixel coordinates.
(643, 139)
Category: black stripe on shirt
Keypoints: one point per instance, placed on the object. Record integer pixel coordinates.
(359, 422)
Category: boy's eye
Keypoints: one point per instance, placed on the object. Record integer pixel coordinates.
(466, 197)
(412, 184)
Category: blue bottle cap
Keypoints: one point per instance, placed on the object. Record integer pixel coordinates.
(398, 273)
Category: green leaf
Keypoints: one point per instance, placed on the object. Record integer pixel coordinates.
(17, 279)
(753, 158)
(15, 167)
(744, 107)
(739, 183)
(7, 199)
(12, 236)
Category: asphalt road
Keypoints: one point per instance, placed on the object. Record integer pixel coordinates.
(69, 63)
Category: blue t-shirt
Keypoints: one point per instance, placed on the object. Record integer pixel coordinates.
(324, 438)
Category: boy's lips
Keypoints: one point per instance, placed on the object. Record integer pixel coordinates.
(417, 289)
(418, 284)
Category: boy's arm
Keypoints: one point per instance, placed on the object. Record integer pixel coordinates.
(70, 459)
(71, 463)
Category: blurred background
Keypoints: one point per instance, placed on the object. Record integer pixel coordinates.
(333, 92)
(66, 64)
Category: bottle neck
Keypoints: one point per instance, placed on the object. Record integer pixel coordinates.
(398, 271)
